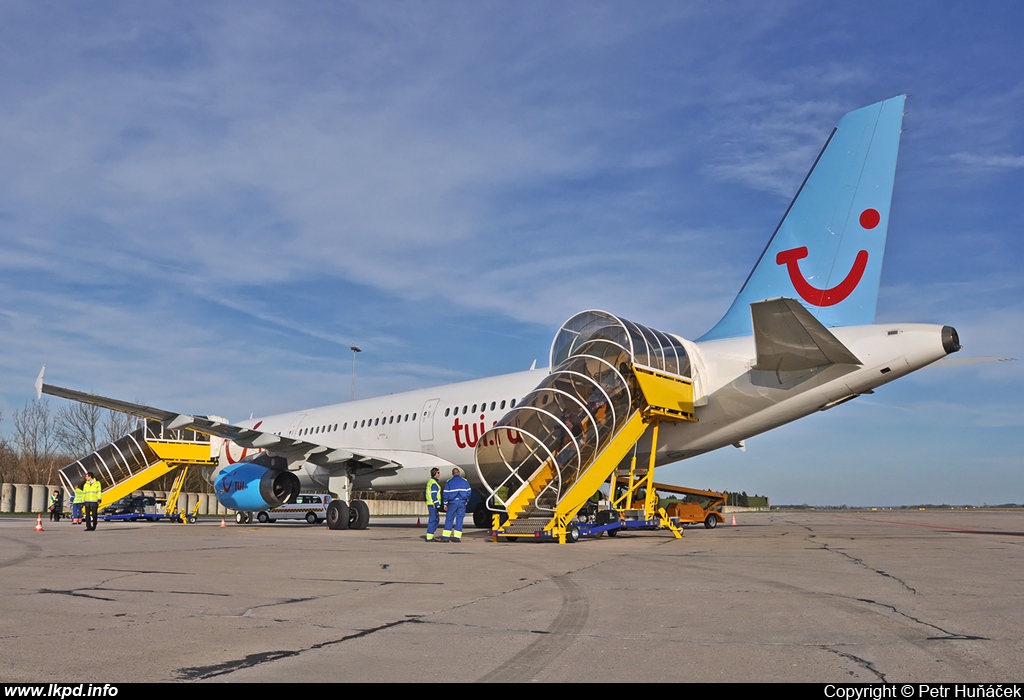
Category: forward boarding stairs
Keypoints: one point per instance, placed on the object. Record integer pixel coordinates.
(611, 381)
(139, 458)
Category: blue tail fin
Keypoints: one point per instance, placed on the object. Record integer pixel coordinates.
(827, 251)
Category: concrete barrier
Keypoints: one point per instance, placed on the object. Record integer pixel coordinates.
(40, 495)
(34, 498)
(389, 507)
(22, 498)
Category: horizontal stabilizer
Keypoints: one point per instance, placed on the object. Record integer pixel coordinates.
(789, 338)
(952, 361)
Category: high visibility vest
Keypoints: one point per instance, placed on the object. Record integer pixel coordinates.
(92, 491)
(79, 496)
(433, 492)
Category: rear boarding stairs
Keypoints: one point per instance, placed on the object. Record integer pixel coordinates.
(141, 457)
(612, 382)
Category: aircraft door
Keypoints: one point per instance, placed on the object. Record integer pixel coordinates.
(293, 429)
(427, 420)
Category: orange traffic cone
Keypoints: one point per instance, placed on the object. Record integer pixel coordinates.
(39, 523)
(733, 518)
(223, 523)
(418, 521)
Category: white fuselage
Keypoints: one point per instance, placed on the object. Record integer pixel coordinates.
(440, 426)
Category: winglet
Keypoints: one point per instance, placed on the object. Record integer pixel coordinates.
(39, 383)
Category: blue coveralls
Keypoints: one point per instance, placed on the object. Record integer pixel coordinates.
(433, 504)
(456, 496)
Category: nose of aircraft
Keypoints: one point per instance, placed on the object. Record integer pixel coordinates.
(950, 339)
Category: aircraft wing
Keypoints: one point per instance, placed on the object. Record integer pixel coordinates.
(788, 337)
(290, 448)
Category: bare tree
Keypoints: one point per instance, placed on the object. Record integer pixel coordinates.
(118, 424)
(8, 460)
(78, 427)
(35, 439)
(8, 463)
(83, 428)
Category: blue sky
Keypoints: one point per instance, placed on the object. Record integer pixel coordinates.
(203, 205)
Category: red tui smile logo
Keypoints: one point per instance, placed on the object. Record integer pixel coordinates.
(791, 258)
(245, 450)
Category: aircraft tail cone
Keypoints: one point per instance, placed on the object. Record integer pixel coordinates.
(39, 523)
(733, 518)
(223, 523)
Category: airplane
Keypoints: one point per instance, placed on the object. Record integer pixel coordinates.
(798, 338)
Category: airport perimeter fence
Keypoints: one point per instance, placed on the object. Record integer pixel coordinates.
(35, 498)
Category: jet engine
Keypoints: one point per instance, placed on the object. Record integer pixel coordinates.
(248, 486)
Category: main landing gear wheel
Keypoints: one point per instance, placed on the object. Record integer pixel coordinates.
(710, 522)
(358, 515)
(242, 518)
(482, 517)
(337, 515)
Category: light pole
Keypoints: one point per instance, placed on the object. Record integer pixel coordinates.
(355, 350)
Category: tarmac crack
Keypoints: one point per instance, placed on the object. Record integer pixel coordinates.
(101, 586)
(148, 571)
(863, 663)
(77, 593)
(151, 590)
(198, 673)
(287, 601)
(946, 634)
(381, 582)
(861, 562)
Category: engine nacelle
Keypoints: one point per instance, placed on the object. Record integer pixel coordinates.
(249, 486)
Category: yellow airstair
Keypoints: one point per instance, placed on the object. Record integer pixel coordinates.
(612, 381)
(139, 458)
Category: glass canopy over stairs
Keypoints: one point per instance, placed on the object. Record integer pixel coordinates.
(139, 458)
(610, 379)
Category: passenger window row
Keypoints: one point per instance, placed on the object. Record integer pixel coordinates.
(386, 420)
(404, 418)
(483, 407)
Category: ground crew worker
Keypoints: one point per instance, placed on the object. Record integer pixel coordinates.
(76, 505)
(456, 496)
(55, 507)
(433, 502)
(91, 492)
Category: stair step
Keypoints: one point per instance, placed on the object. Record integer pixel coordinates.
(525, 526)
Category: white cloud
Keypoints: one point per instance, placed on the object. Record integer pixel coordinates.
(980, 162)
